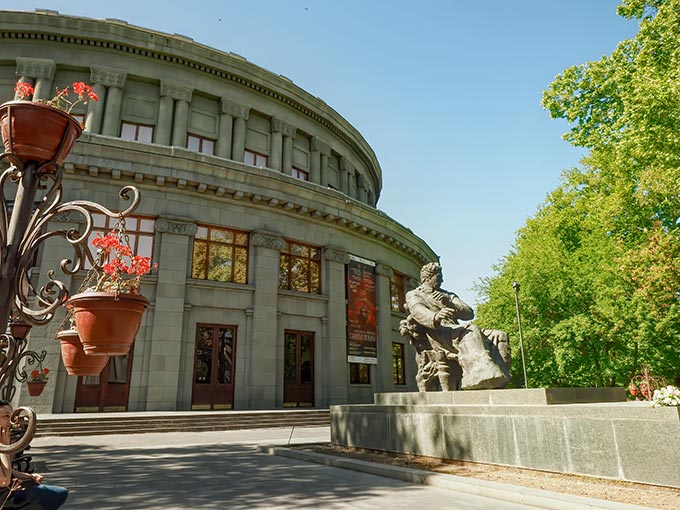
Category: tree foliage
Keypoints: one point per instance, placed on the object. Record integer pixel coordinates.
(599, 263)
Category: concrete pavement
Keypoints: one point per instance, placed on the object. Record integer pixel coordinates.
(223, 470)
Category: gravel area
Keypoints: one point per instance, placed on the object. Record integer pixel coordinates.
(664, 498)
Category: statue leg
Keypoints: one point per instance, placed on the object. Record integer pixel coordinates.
(481, 368)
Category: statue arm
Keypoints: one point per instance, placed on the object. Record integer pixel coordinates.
(463, 311)
(420, 312)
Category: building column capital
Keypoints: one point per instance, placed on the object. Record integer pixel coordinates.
(35, 67)
(234, 109)
(107, 76)
(321, 146)
(384, 270)
(279, 126)
(269, 240)
(176, 91)
(176, 226)
(333, 254)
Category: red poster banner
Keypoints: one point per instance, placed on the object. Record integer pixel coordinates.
(362, 317)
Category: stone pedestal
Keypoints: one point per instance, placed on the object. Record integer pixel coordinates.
(589, 431)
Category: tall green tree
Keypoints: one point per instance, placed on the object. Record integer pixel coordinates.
(599, 264)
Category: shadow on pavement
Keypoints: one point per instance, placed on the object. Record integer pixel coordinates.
(202, 476)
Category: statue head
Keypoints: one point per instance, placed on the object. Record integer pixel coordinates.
(431, 274)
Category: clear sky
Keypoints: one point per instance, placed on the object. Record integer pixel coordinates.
(447, 92)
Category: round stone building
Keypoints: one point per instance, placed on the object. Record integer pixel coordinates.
(279, 283)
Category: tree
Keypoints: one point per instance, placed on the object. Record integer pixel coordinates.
(600, 261)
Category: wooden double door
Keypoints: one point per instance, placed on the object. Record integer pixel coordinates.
(298, 369)
(214, 360)
(108, 391)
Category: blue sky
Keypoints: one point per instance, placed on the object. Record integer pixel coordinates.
(447, 93)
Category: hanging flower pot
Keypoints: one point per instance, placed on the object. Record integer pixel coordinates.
(36, 388)
(107, 323)
(37, 132)
(19, 329)
(74, 357)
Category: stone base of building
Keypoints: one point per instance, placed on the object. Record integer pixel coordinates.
(588, 431)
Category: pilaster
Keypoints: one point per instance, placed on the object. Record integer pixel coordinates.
(41, 70)
(174, 236)
(384, 370)
(336, 373)
(263, 385)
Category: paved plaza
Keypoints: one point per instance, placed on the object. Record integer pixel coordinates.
(223, 470)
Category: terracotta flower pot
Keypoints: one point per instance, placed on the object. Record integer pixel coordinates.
(39, 132)
(74, 357)
(36, 388)
(20, 329)
(107, 323)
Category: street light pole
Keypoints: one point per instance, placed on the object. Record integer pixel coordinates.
(515, 287)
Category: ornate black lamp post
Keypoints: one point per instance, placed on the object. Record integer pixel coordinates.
(23, 229)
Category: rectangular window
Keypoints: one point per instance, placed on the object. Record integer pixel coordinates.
(359, 373)
(300, 174)
(300, 268)
(398, 374)
(136, 132)
(200, 144)
(397, 300)
(139, 229)
(220, 254)
(255, 159)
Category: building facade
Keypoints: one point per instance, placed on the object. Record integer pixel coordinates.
(256, 199)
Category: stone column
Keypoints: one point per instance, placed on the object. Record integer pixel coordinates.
(182, 97)
(226, 133)
(165, 110)
(41, 73)
(345, 168)
(286, 132)
(114, 80)
(335, 372)
(324, 150)
(162, 391)
(288, 155)
(315, 167)
(239, 141)
(95, 109)
(361, 188)
(263, 363)
(384, 370)
(275, 145)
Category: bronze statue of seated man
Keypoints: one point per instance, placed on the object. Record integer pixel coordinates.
(450, 355)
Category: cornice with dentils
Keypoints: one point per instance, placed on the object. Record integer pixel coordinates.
(118, 36)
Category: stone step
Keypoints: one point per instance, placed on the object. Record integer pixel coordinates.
(193, 422)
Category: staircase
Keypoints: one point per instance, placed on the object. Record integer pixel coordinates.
(180, 421)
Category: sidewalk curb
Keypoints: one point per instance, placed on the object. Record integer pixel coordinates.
(505, 492)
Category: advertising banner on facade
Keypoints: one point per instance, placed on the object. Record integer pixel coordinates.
(362, 316)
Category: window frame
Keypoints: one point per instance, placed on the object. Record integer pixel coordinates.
(356, 374)
(287, 251)
(133, 235)
(398, 365)
(297, 172)
(255, 155)
(397, 293)
(136, 125)
(233, 245)
(201, 140)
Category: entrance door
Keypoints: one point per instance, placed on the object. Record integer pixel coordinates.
(214, 367)
(298, 369)
(108, 391)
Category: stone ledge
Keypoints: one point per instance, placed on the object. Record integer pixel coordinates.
(531, 396)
